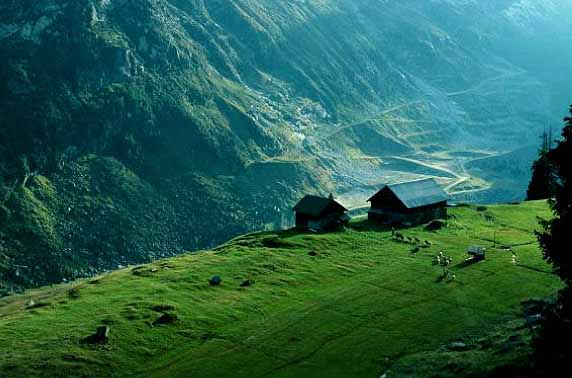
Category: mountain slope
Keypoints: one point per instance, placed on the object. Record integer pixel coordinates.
(346, 304)
(210, 118)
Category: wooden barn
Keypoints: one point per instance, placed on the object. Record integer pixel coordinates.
(411, 202)
(320, 214)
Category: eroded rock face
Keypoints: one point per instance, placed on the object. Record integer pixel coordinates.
(221, 114)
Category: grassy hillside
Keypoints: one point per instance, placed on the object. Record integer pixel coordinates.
(347, 304)
(220, 114)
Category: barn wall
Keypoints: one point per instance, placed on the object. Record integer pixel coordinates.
(412, 216)
(330, 220)
(302, 220)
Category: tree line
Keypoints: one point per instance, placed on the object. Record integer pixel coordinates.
(552, 180)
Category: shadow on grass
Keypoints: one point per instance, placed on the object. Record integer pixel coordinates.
(368, 225)
(292, 232)
(467, 263)
(536, 269)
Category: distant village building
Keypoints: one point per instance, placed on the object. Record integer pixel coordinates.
(320, 214)
(409, 202)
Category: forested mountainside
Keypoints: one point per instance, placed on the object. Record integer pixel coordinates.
(131, 130)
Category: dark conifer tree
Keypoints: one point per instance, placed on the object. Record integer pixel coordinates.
(555, 241)
(554, 344)
(542, 183)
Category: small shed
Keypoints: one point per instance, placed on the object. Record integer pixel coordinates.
(476, 252)
(409, 202)
(320, 213)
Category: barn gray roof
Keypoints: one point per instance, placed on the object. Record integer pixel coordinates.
(315, 206)
(414, 194)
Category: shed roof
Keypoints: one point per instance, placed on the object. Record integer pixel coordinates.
(476, 250)
(316, 206)
(414, 194)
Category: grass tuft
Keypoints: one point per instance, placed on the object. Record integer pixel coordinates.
(163, 307)
(74, 292)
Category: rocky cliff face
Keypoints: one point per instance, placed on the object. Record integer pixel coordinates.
(131, 130)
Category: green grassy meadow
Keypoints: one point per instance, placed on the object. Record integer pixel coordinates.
(355, 303)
